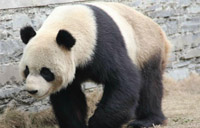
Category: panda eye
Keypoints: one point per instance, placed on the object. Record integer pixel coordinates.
(47, 74)
(26, 72)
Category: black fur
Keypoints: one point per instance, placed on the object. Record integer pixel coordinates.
(149, 110)
(70, 106)
(47, 74)
(32, 92)
(26, 72)
(110, 66)
(27, 33)
(64, 38)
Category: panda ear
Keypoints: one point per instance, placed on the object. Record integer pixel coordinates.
(64, 38)
(27, 33)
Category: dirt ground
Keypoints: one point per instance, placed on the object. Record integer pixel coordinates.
(180, 104)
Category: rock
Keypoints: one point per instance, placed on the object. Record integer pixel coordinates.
(178, 74)
(89, 85)
(9, 73)
(20, 20)
(2, 34)
(172, 58)
(197, 68)
(24, 99)
(197, 60)
(4, 101)
(190, 26)
(136, 3)
(8, 92)
(181, 64)
(172, 27)
(162, 14)
(194, 9)
(184, 3)
(198, 1)
(10, 51)
(195, 39)
(192, 53)
(181, 41)
(192, 66)
(2, 108)
(12, 104)
(36, 106)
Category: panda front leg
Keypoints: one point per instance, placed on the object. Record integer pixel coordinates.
(70, 107)
(118, 103)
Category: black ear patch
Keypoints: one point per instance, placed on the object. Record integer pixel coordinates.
(27, 33)
(65, 39)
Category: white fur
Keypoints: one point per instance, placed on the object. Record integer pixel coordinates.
(143, 38)
(80, 22)
(124, 27)
(43, 86)
(43, 51)
(149, 37)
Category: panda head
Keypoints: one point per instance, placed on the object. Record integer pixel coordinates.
(47, 64)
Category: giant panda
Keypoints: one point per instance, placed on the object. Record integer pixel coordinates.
(107, 43)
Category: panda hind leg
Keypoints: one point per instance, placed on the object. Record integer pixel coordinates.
(149, 111)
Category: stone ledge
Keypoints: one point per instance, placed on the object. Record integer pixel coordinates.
(9, 73)
(4, 4)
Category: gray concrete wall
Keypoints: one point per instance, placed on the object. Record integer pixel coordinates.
(180, 19)
(32, 3)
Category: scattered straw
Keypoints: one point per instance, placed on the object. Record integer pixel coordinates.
(180, 104)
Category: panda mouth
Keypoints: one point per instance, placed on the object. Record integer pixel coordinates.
(45, 95)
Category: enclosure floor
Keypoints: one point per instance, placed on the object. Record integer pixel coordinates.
(181, 105)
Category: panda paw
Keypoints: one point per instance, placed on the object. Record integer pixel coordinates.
(138, 124)
(146, 123)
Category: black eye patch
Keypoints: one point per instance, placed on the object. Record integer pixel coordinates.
(47, 74)
(26, 72)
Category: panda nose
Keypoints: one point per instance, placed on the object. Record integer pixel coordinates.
(32, 91)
